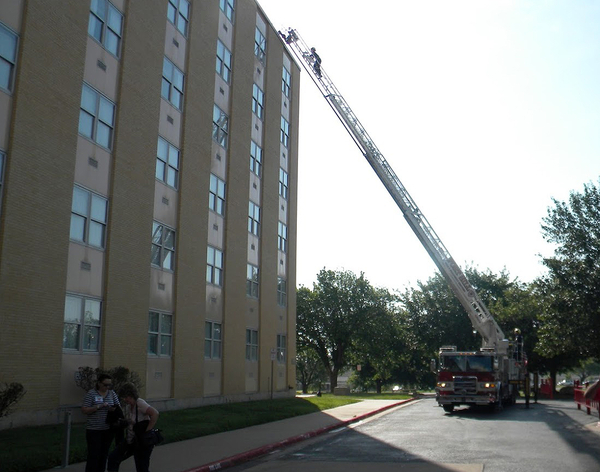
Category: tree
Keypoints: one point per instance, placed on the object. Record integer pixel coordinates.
(309, 369)
(519, 307)
(570, 326)
(379, 344)
(587, 368)
(434, 317)
(330, 316)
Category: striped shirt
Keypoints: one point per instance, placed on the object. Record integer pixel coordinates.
(97, 420)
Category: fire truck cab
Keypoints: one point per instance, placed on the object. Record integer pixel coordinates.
(482, 377)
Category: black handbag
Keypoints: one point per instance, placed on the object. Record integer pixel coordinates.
(152, 437)
(139, 428)
(143, 437)
(115, 418)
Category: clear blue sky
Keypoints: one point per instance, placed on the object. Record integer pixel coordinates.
(485, 110)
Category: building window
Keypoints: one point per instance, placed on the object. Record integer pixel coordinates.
(281, 347)
(281, 291)
(214, 266)
(252, 281)
(253, 218)
(8, 58)
(256, 154)
(282, 236)
(96, 117)
(258, 101)
(172, 84)
(223, 61)
(163, 246)
(283, 183)
(160, 333)
(106, 25)
(82, 324)
(178, 13)
(212, 340)
(228, 7)
(251, 345)
(88, 218)
(286, 82)
(285, 132)
(220, 126)
(167, 163)
(260, 45)
(216, 195)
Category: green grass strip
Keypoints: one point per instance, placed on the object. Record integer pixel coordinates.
(38, 448)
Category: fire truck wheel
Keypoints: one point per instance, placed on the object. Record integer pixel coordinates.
(448, 408)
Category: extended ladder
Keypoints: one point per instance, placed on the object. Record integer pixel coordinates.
(478, 313)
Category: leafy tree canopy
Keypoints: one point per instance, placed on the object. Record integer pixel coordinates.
(570, 324)
(332, 316)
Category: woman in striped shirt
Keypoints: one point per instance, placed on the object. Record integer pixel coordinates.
(96, 405)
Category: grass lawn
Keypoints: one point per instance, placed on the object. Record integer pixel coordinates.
(39, 448)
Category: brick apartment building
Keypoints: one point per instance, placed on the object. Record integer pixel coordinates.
(148, 182)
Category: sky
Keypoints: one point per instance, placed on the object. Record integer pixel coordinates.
(486, 111)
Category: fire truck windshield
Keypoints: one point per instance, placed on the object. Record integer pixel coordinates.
(459, 363)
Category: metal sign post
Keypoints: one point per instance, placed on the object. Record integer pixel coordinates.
(273, 357)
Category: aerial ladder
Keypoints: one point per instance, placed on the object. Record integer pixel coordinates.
(491, 376)
(481, 319)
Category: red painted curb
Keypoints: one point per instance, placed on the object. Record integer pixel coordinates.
(261, 451)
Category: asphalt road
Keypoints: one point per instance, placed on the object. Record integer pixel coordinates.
(551, 436)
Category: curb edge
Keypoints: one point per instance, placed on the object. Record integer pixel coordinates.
(263, 450)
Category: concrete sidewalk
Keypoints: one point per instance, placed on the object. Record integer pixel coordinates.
(222, 450)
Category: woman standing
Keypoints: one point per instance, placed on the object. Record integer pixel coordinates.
(140, 418)
(96, 405)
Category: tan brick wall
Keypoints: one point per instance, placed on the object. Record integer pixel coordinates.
(188, 359)
(132, 192)
(236, 236)
(34, 231)
(292, 227)
(270, 311)
(35, 218)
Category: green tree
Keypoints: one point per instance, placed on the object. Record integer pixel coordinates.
(331, 316)
(309, 369)
(519, 307)
(379, 344)
(587, 368)
(570, 325)
(434, 317)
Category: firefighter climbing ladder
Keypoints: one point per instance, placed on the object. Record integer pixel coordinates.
(478, 313)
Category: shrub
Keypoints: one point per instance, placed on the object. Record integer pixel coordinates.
(120, 375)
(10, 394)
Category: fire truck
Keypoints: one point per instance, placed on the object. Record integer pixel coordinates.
(489, 376)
